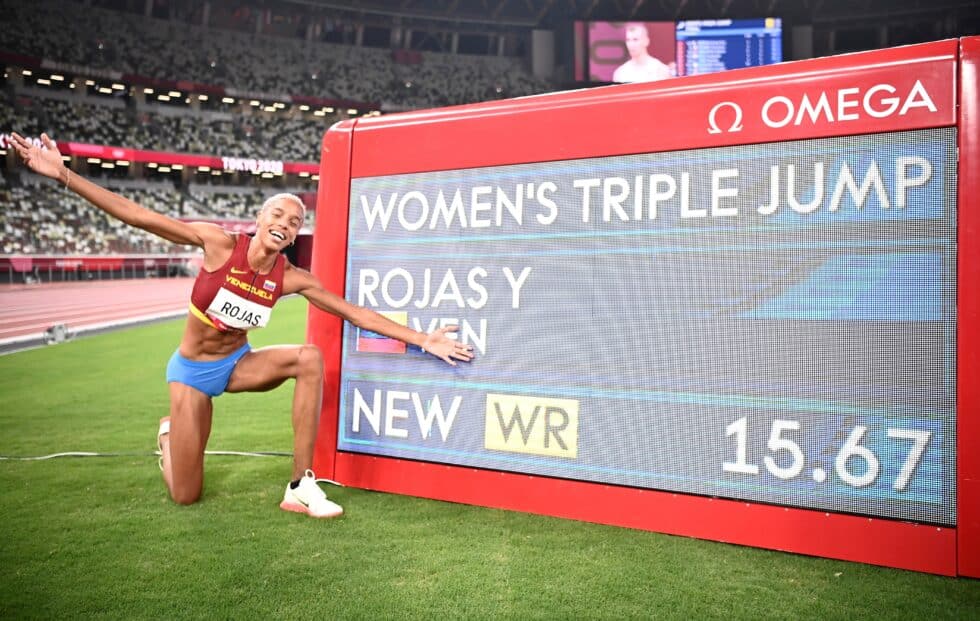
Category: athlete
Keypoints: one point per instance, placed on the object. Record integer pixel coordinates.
(641, 67)
(235, 291)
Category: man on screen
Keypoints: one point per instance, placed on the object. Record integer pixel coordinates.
(641, 67)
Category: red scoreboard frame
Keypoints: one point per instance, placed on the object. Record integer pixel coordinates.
(758, 105)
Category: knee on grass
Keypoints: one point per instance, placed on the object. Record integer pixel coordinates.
(185, 496)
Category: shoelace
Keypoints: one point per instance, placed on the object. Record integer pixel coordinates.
(310, 474)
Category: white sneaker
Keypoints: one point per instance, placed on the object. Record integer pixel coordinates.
(308, 498)
(164, 430)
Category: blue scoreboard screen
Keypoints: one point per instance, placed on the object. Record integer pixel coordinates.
(768, 322)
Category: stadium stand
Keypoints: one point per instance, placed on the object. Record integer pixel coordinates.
(76, 118)
(42, 218)
(73, 33)
(86, 42)
(227, 202)
(39, 217)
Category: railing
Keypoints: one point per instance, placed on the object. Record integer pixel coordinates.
(21, 269)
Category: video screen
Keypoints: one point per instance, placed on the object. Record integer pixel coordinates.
(768, 322)
(625, 52)
(707, 46)
(631, 51)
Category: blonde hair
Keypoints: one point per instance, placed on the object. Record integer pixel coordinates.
(284, 196)
(637, 27)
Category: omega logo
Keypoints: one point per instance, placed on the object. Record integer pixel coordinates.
(736, 125)
(879, 101)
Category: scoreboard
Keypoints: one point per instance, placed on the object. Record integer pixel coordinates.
(706, 46)
(728, 306)
(682, 321)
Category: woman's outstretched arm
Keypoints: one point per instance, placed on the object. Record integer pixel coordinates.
(47, 161)
(438, 343)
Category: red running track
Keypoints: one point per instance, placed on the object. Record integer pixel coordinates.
(32, 309)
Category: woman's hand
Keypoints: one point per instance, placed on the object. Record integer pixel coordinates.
(441, 346)
(45, 161)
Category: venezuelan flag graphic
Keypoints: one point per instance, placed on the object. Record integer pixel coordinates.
(368, 341)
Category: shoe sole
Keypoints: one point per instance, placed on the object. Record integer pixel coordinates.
(298, 508)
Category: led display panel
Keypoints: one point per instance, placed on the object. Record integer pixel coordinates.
(707, 46)
(650, 51)
(769, 322)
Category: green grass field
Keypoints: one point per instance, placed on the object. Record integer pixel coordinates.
(97, 537)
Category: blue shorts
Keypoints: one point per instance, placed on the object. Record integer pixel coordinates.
(211, 377)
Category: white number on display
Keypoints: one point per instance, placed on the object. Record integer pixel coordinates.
(855, 464)
(738, 429)
(852, 448)
(921, 439)
(778, 443)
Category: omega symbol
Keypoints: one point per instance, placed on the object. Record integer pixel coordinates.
(736, 125)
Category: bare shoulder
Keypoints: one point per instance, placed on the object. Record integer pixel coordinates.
(213, 235)
(217, 243)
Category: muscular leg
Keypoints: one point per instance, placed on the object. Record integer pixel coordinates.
(266, 368)
(183, 448)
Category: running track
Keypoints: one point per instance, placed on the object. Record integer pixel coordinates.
(26, 311)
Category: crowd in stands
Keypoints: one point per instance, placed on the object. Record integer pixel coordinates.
(229, 203)
(38, 217)
(42, 218)
(71, 32)
(80, 120)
